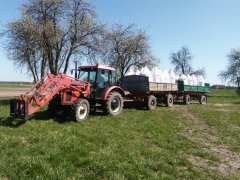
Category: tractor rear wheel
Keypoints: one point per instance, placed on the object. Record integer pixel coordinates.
(187, 99)
(169, 100)
(151, 102)
(114, 104)
(203, 99)
(81, 109)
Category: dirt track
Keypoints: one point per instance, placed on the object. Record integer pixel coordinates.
(10, 92)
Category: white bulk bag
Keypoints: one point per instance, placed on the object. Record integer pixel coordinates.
(190, 79)
(201, 81)
(172, 76)
(176, 78)
(155, 74)
(137, 72)
(146, 72)
(182, 77)
(166, 77)
(161, 76)
(194, 80)
(130, 72)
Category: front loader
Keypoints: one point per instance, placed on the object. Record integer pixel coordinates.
(71, 90)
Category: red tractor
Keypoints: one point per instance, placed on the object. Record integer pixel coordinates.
(94, 88)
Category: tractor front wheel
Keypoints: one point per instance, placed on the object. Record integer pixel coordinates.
(81, 109)
(114, 104)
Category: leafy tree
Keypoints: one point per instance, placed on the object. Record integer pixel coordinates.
(126, 47)
(182, 62)
(50, 33)
(22, 47)
(232, 72)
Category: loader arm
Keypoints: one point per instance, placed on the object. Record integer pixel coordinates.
(43, 91)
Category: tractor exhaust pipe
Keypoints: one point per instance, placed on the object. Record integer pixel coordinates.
(76, 69)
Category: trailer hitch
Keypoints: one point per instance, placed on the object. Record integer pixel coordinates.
(19, 109)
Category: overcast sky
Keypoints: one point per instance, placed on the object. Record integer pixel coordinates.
(209, 28)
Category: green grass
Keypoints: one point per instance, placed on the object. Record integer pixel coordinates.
(167, 143)
(223, 96)
(223, 92)
(226, 121)
(9, 85)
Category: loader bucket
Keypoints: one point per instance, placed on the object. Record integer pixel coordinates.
(19, 109)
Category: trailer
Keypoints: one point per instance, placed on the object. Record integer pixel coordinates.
(138, 88)
(191, 92)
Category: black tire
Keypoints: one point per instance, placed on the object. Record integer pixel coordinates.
(81, 109)
(203, 99)
(151, 102)
(169, 100)
(187, 99)
(55, 108)
(51, 108)
(114, 104)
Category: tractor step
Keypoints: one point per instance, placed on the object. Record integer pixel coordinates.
(98, 108)
(19, 109)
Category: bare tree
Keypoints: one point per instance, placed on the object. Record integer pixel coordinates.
(199, 72)
(126, 47)
(182, 62)
(62, 29)
(232, 72)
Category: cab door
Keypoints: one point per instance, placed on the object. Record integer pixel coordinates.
(104, 81)
(89, 75)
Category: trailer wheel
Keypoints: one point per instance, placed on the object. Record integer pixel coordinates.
(169, 102)
(81, 109)
(187, 99)
(151, 102)
(114, 104)
(203, 99)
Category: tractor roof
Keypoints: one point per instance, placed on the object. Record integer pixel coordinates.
(107, 67)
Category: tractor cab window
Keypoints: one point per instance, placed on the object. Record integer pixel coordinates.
(103, 77)
(88, 75)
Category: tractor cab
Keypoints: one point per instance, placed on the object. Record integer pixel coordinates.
(101, 78)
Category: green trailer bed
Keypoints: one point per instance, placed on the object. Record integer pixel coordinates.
(191, 88)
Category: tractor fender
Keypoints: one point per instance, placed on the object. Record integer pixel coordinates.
(110, 89)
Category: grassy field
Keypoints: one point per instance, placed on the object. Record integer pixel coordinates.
(223, 96)
(8, 85)
(183, 142)
(222, 93)
(11, 90)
